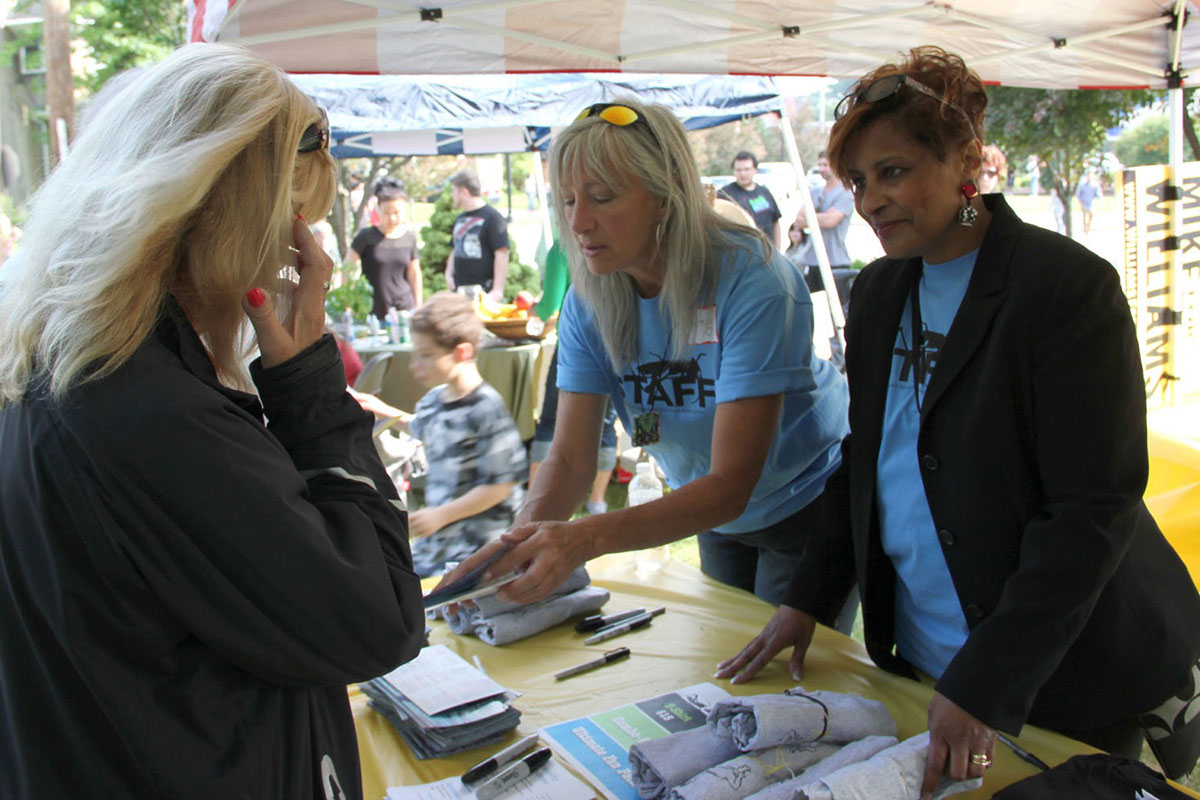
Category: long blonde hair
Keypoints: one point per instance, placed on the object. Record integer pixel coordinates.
(183, 182)
(656, 155)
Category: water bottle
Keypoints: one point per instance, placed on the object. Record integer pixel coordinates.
(404, 325)
(644, 488)
(372, 326)
(645, 485)
(348, 325)
(393, 326)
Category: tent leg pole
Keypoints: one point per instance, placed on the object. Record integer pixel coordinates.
(810, 219)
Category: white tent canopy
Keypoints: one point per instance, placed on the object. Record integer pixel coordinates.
(1066, 44)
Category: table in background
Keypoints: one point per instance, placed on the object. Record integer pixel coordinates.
(705, 622)
(517, 372)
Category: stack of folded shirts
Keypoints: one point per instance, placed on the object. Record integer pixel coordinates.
(498, 622)
(442, 705)
(798, 745)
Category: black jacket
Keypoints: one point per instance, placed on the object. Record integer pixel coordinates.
(185, 593)
(1032, 448)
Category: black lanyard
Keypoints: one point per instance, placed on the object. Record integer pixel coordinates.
(918, 339)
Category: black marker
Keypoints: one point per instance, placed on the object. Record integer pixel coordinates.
(1022, 753)
(484, 769)
(514, 774)
(607, 658)
(631, 624)
(597, 621)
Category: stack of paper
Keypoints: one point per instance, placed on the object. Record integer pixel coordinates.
(442, 705)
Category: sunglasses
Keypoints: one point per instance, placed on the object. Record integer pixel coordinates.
(315, 136)
(888, 87)
(616, 114)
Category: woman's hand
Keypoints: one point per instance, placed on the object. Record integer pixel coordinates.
(788, 627)
(305, 323)
(546, 553)
(954, 738)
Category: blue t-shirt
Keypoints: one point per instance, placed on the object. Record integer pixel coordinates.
(753, 338)
(930, 626)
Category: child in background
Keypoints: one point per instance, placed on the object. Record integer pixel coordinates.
(476, 457)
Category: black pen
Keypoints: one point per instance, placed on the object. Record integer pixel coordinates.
(631, 624)
(607, 658)
(513, 774)
(1022, 753)
(597, 621)
(485, 768)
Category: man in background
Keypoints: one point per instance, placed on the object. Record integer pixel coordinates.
(834, 206)
(757, 200)
(479, 254)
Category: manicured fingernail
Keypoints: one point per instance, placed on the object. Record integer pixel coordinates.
(795, 675)
(256, 297)
(300, 217)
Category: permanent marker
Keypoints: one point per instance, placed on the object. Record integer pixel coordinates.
(1022, 753)
(597, 621)
(513, 774)
(632, 624)
(607, 658)
(484, 769)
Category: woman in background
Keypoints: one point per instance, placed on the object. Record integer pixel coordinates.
(186, 591)
(388, 252)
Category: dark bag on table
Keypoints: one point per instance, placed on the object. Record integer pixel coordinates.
(1095, 777)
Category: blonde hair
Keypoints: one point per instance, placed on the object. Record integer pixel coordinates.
(653, 152)
(183, 182)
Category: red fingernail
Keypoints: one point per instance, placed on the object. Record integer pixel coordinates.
(256, 297)
(300, 217)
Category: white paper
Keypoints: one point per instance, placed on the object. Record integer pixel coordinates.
(551, 782)
(438, 680)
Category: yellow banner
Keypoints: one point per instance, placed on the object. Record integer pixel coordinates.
(1170, 352)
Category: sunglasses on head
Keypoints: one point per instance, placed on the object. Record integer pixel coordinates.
(315, 136)
(888, 87)
(616, 114)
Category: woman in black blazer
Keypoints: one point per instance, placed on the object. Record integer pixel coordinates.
(989, 502)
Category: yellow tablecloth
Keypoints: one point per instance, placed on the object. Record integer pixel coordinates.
(704, 623)
(517, 372)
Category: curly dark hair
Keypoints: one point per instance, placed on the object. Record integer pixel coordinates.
(937, 125)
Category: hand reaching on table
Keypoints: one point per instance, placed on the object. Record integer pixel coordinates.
(788, 627)
(960, 745)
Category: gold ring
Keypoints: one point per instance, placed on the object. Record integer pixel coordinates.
(981, 760)
(326, 286)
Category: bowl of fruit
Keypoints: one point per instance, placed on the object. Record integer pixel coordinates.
(511, 320)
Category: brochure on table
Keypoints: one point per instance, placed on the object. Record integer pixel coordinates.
(552, 782)
(597, 746)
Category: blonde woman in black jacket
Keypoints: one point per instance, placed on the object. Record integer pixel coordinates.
(185, 591)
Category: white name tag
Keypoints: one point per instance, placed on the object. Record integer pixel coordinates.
(705, 329)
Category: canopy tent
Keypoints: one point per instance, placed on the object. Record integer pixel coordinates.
(409, 115)
(1069, 44)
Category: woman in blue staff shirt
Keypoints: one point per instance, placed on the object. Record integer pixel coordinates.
(701, 333)
(989, 501)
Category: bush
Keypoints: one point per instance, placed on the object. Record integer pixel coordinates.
(356, 295)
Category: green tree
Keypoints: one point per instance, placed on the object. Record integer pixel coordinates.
(122, 34)
(1065, 128)
(1144, 143)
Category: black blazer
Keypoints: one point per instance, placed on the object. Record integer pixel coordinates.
(1033, 455)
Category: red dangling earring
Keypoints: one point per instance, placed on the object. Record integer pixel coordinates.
(967, 213)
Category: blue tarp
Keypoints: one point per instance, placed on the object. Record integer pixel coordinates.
(385, 115)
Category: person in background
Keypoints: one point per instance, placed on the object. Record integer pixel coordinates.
(479, 253)
(994, 172)
(697, 329)
(1058, 210)
(476, 457)
(388, 252)
(1087, 193)
(196, 555)
(833, 204)
(989, 499)
(757, 200)
(9, 236)
(797, 246)
(324, 236)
